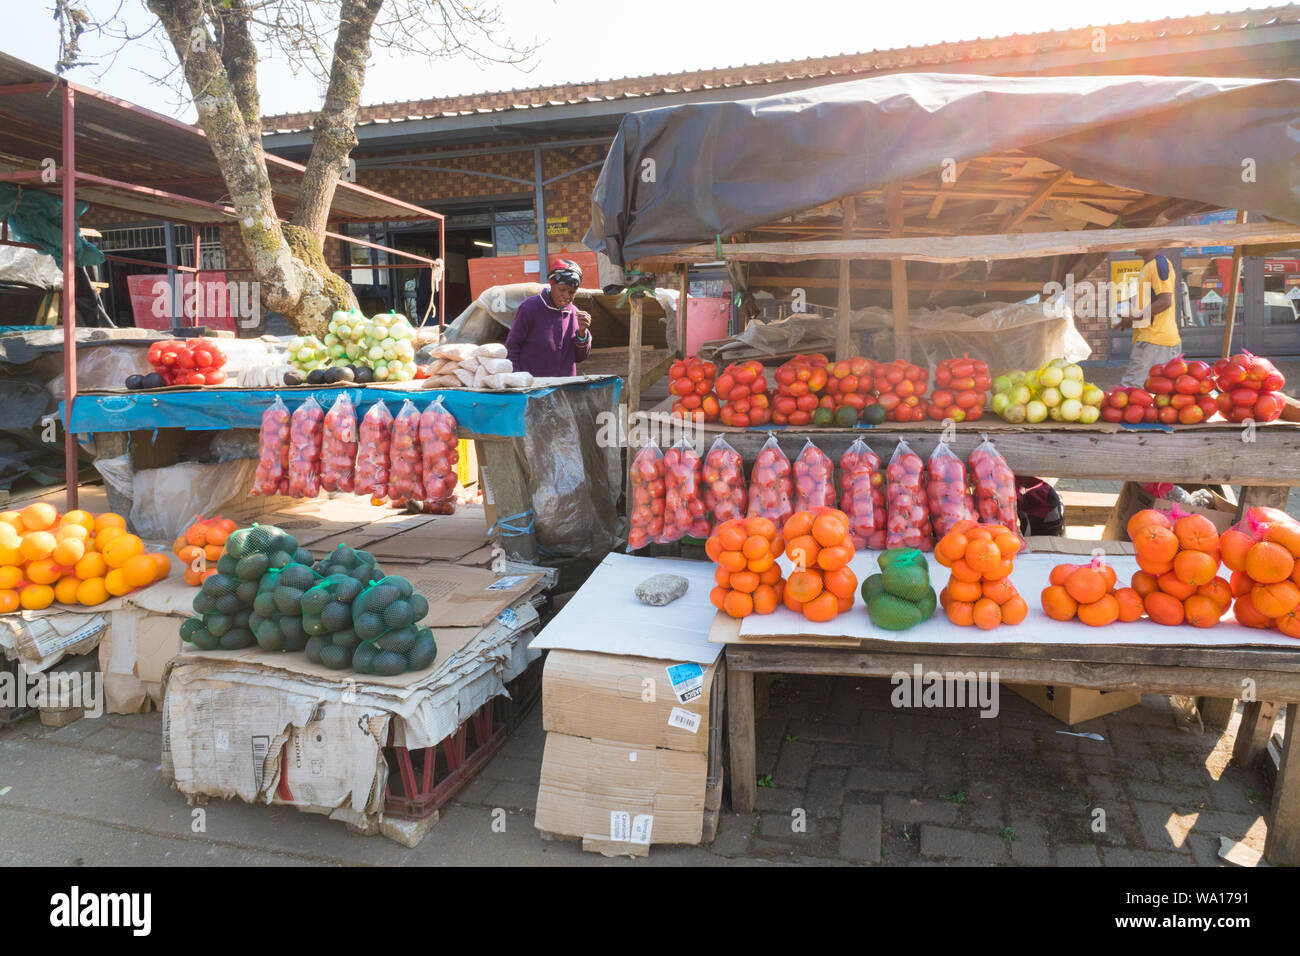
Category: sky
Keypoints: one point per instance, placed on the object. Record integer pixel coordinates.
(581, 40)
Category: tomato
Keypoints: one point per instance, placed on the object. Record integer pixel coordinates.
(213, 377)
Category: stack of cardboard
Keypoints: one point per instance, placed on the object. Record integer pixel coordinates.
(632, 699)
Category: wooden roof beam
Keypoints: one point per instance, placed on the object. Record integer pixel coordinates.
(1036, 200)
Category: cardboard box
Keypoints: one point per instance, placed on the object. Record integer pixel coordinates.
(1074, 705)
(1223, 514)
(133, 655)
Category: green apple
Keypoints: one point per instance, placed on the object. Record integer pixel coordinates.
(1002, 383)
(1021, 395)
(1071, 388)
(1089, 414)
(1073, 372)
(1092, 395)
(1051, 397)
(1071, 410)
(1035, 412)
(1051, 377)
(1000, 402)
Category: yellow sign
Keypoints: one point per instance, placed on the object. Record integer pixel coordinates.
(1124, 277)
(557, 225)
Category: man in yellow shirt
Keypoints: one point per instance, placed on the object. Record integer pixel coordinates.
(1151, 316)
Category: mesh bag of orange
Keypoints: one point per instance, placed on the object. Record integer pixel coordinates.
(1178, 568)
(1087, 592)
(1263, 552)
(979, 590)
(818, 544)
(747, 579)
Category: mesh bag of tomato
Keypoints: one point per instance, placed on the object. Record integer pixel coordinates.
(849, 385)
(862, 483)
(961, 389)
(947, 494)
(649, 493)
(690, 382)
(800, 383)
(1183, 391)
(770, 485)
(1129, 405)
(192, 362)
(723, 475)
(907, 515)
(685, 512)
(900, 389)
(1248, 388)
(742, 392)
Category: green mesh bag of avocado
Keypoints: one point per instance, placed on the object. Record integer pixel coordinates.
(899, 596)
(386, 618)
(276, 618)
(327, 620)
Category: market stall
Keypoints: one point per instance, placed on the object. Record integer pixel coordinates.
(948, 189)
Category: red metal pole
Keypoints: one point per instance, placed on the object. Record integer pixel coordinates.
(442, 286)
(69, 302)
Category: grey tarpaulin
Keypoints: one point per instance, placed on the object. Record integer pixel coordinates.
(724, 167)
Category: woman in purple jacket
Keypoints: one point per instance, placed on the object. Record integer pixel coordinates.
(550, 336)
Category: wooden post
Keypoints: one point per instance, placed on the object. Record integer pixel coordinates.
(508, 490)
(1216, 711)
(1253, 732)
(740, 740)
(634, 359)
(1266, 496)
(843, 317)
(1230, 316)
(68, 301)
(1282, 846)
(898, 274)
(683, 289)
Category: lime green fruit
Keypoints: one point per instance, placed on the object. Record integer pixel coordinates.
(893, 613)
(871, 587)
(907, 581)
(927, 604)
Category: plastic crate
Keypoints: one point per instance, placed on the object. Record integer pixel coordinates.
(421, 782)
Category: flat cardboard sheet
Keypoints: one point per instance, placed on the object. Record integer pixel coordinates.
(605, 615)
(1030, 578)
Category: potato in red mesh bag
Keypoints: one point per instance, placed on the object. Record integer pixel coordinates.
(338, 450)
(724, 483)
(863, 498)
(770, 487)
(405, 469)
(684, 509)
(995, 486)
(374, 441)
(648, 497)
(946, 492)
(907, 518)
(272, 475)
(814, 479)
(306, 431)
(440, 454)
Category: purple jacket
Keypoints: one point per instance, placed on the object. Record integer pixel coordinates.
(544, 339)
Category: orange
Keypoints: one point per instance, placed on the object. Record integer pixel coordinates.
(1197, 533)
(1289, 624)
(1130, 604)
(717, 597)
(822, 608)
(1100, 613)
(66, 530)
(764, 598)
(1015, 610)
(79, 518)
(11, 555)
(116, 583)
(197, 533)
(788, 600)
(1156, 544)
(190, 552)
(802, 549)
(757, 525)
(40, 544)
(797, 525)
(1201, 611)
(961, 613)
(1274, 600)
(979, 533)
(36, 597)
(1246, 613)
(65, 591)
(10, 535)
(983, 556)
(829, 530)
(1240, 583)
(214, 535)
(39, 516)
(969, 591)
(43, 571)
(841, 582)
(961, 571)
(1267, 562)
(1061, 572)
(195, 578)
(755, 547)
(103, 537)
(1164, 608)
(122, 547)
(712, 548)
(731, 560)
(1146, 518)
(843, 604)
(744, 581)
(731, 535)
(722, 577)
(964, 525)
(92, 565)
(1057, 603)
(986, 614)
(1002, 570)
(738, 604)
(1195, 567)
(14, 519)
(804, 586)
(1007, 543)
(1170, 583)
(68, 552)
(945, 598)
(92, 591)
(1285, 533)
(10, 578)
(835, 556)
(1108, 575)
(771, 576)
(1154, 568)
(1218, 591)
(951, 547)
(1000, 590)
(9, 601)
(213, 552)
(140, 571)
(1233, 545)
(1086, 585)
(109, 520)
(759, 565)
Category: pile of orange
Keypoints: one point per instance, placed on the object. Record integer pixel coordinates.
(75, 558)
(822, 584)
(1088, 592)
(748, 579)
(1178, 559)
(1263, 553)
(200, 547)
(979, 590)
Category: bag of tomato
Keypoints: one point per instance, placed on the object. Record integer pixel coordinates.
(770, 487)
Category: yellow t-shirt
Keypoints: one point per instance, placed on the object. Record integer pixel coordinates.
(1163, 329)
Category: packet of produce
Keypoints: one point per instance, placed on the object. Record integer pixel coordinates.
(770, 487)
(327, 621)
(306, 432)
(684, 509)
(648, 497)
(863, 497)
(271, 477)
(373, 446)
(996, 501)
(386, 618)
(724, 483)
(438, 446)
(405, 479)
(949, 500)
(814, 479)
(907, 523)
(339, 446)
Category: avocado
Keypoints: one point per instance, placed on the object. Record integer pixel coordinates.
(927, 604)
(379, 597)
(846, 416)
(218, 585)
(907, 581)
(204, 603)
(874, 415)
(363, 659)
(298, 576)
(389, 663)
(316, 600)
(344, 374)
(365, 375)
(400, 641)
(423, 653)
(288, 600)
(252, 567)
(246, 592)
(134, 382)
(334, 657)
(269, 637)
(313, 647)
(892, 613)
(189, 627)
(316, 377)
(346, 639)
(237, 638)
(347, 589)
(419, 607)
(229, 603)
(336, 616)
(226, 564)
(398, 614)
(302, 556)
(217, 624)
(368, 625)
(871, 587)
(154, 380)
(823, 417)
(403, 586)
(292, 379)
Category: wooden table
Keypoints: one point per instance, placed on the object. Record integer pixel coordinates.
(1212, 672)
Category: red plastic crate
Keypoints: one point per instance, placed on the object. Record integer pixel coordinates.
(421, 782)
(215, 291)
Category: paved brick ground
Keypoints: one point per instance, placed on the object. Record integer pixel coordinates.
(854, 781)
